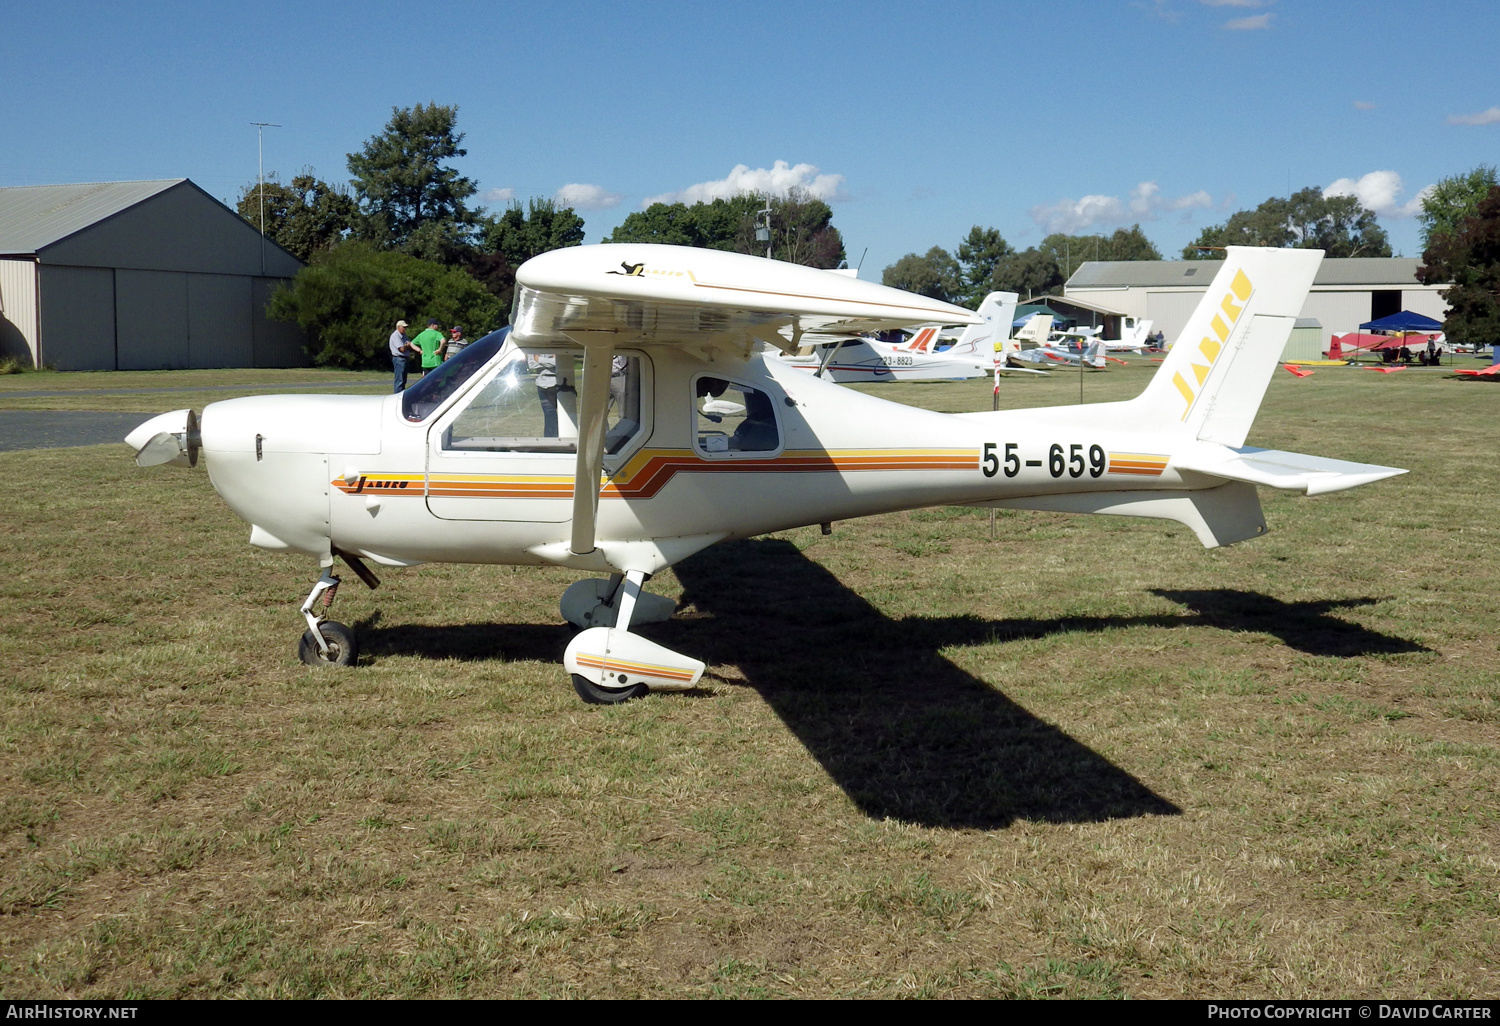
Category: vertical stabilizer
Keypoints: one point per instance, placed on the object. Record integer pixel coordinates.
(998, 310)
(1214, 378)
(1036, 330)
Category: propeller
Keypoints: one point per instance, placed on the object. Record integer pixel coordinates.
(172, 439)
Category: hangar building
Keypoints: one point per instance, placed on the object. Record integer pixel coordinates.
(1347, 292)
(138, 276)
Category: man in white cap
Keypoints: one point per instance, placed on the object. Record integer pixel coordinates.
(400, 346)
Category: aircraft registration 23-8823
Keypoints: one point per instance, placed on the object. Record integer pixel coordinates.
(630, 419)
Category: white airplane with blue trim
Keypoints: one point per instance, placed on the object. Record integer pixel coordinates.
(660, 428)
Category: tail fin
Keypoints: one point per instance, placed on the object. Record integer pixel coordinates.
(1136, 337)
(1036, 330)
(1214, 378)
(923, 341)
(998, 310)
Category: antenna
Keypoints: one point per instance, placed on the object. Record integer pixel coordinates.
(260, 151)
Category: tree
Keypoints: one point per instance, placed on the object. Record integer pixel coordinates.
(978, 253)
(802, 230)
(519, 235)
(348, 298)
(1028, 274)
(514, 237)
(935, 275)
(402, 182)
(1341, 226)
(1453, 200)
(1069, 251)
(1468, 256)
(307, 216)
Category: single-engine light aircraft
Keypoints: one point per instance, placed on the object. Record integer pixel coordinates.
(629, 419)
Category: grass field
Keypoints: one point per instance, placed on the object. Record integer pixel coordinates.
(1086, 758)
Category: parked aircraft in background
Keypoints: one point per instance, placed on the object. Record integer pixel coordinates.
(700, 438)
(973, 355)
(1135, 336)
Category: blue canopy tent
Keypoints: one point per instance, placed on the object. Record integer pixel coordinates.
(1403, 321)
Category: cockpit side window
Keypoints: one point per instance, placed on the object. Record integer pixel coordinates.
(531, 405)
(418, 402)
(733, 418)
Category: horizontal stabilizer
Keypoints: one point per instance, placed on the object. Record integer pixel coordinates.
(1290, 471)
(1218, 516)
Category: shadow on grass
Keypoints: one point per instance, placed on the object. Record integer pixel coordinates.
(903, 731)
(1305, 626)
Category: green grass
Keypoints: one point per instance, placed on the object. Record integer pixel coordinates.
(1084, 759)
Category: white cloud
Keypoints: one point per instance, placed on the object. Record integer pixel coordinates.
(587, 197)
(1146, 203)
(498, 195)
(1484, 117)
(1363, 105)
(1379, 191)
(777, 180)
(1250, 24)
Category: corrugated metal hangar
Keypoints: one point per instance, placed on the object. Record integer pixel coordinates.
(138, 276)
(1347, 292)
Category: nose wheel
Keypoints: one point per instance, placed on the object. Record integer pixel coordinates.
(327, 642)
(338, 649)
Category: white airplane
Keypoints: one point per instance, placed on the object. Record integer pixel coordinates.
(1050, 352)
(1135, 336)
(629, 474)
(861, 359)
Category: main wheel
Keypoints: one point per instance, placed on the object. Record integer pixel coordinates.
(595, 695)
(343, 650)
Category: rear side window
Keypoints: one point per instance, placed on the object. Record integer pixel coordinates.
(734, 418)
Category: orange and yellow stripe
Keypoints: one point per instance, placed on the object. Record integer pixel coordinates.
(607, 665)
(649, 471)
(1138, 463)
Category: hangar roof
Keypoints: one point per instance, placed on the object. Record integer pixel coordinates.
(33, 217)
(1358, 272)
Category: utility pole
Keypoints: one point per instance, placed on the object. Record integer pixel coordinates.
(763, 229)
(260, 150)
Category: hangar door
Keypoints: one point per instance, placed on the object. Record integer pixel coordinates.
(78, 317)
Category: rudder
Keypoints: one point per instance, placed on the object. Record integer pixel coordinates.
(1213, 380)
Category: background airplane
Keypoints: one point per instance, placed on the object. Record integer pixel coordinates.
(861, 359)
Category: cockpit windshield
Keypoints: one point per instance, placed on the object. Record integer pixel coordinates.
(418, 402)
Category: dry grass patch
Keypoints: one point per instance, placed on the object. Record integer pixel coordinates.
(1082, 759)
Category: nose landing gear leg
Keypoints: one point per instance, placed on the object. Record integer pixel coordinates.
(326, 642)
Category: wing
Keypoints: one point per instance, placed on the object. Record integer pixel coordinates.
(600, 297)
(677, 295)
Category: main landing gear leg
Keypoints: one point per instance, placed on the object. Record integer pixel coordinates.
(609, 664)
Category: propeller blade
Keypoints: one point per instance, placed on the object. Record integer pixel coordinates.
(163, 447)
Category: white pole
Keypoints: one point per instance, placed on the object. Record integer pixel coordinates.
(260, 151)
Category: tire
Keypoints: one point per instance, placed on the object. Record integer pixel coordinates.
(593, 694)
(343, 650)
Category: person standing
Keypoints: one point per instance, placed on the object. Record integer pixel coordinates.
(400, 347)
(429, 342)
(455, 343)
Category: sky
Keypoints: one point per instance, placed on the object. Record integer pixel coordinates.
(915, 121)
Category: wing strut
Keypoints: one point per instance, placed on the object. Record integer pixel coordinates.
(593, 420)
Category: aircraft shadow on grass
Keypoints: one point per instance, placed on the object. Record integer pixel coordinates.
(902, 730)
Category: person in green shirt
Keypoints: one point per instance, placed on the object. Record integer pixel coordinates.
(429, 341)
